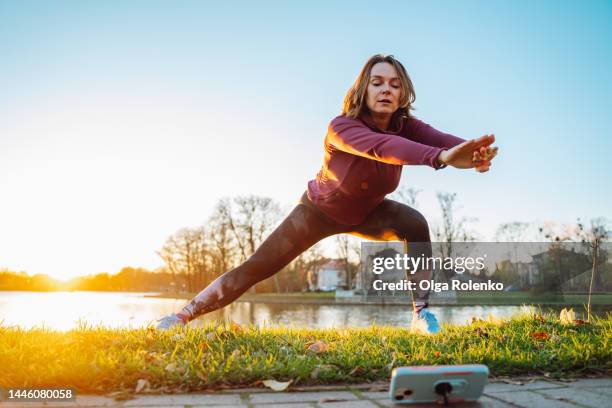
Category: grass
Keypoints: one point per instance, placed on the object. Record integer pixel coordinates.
(103, 360)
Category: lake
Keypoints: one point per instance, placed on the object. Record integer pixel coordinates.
(65, 310)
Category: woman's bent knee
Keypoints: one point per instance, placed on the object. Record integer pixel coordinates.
(416, 227)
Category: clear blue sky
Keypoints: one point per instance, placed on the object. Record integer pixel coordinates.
(121, 122)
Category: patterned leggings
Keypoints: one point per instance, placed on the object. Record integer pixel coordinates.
(304, 227)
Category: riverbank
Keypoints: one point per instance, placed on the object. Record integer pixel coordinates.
(601, 300)
(99, 360)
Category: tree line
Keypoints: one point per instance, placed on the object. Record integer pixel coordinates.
(194, 256)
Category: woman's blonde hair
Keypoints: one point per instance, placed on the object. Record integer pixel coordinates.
(354, 101)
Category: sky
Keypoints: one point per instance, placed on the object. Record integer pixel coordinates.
(123, 122)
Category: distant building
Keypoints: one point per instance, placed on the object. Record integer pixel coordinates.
(331, 276)
(529, 274)
(524, 274)
(555, 268)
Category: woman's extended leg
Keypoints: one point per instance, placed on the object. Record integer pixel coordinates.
(393, 221)
(302, 228)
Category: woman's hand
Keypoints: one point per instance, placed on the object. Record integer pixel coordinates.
(475, 153)
(482, 158)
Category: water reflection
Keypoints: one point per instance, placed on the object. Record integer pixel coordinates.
(64, 310)
(324, 316)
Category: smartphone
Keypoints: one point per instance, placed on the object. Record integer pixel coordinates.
(439, 384)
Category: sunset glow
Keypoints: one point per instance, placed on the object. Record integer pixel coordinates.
(112, 139)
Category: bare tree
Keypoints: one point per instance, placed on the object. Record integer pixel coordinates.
(511, 231)
(223, 248)
(249, 220)
(556, 234)
(593, 237)
(168, 254)
(559, 232)
(186, 253)
(313, 258)
(407, 195)
(256, 217)
(452, 229)
(347, 248)
(301, 273)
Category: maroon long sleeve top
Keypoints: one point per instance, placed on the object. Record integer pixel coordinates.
(362, 164)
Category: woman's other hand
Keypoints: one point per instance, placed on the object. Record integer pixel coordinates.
(482, 158)
(475, 153)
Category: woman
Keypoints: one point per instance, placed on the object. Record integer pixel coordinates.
(365, 149)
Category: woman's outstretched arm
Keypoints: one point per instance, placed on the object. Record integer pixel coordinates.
(424, 133)
(353, 136)
(456, 152)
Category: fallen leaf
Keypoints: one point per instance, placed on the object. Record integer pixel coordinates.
(540, 335)
(567, 316)
(579, 321)
(437, 354)
(142, 385)
(277, 385)
(318, 347)
(202, 376)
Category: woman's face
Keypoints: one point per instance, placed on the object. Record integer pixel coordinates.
(384, 89)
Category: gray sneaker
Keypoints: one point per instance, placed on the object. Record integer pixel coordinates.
(167, 322)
